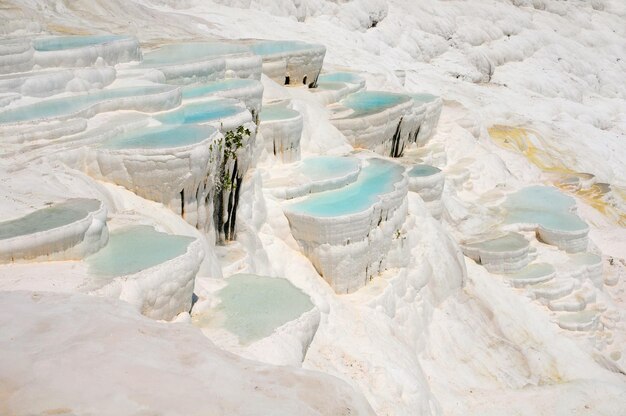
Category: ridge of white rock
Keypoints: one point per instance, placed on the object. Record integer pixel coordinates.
(49, 82)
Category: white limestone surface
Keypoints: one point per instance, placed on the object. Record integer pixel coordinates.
(49, 82)
(430, 110)
(16, 55)
(547, 65)
(140, 363)
(281, 128)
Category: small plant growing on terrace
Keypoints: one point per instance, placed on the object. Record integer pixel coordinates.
(233, 141)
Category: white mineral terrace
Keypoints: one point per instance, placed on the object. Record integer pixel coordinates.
(53, 81)
(185, 63)
(376, 120)
(152, 98)
(281, 128)
(222, 113)
(290, 62)
(67, 230)
(346, 233)
(428, 182)
(504, 254)
(314, 174)
(175, 165)
(551, 214)
(429, 108)
(152, 271)
(249, 91)
(77, 51)
(252, 314)
(334, 86)
(67, 51)
(312, 207)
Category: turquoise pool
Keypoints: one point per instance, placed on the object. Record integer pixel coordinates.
(58, 43)
(201, 112)
(369, 102)
(348, 77)
(202, 90)
(327, 167)
(423, 98)
(161, 137)
(423, 170)
(58, 107)
(45, 219)
(377, 178)
(272, 47)
(135, 248)
(252, 307)
(180, 53)
(277, 112)
(545, 206)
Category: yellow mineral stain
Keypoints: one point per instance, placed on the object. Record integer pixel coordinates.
(66, 30)
(524, 140)
(596, 196)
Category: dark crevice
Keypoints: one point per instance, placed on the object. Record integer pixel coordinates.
(414, 139)
(182, 203)
(233, 214)
(314, 83)
(231, 203)
(287, 80)
(304, 80)
(194, 299)
(395, 141)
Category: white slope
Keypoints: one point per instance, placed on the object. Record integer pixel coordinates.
(418, 341)
(137, 365)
